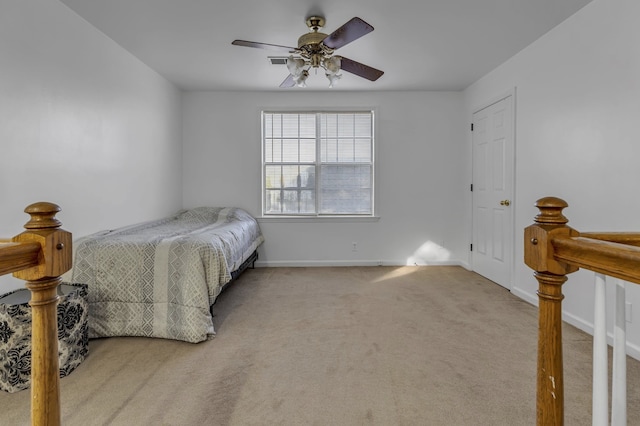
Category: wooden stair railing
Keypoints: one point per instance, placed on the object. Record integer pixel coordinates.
(553, 250)
(40, 255)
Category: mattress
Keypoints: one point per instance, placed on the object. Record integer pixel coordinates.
(160, 278)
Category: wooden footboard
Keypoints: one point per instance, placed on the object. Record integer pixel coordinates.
(40, 255)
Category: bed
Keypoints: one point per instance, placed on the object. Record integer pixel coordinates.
(161, 278)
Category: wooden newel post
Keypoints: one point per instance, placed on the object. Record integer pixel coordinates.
(551, 274)
(42, 282)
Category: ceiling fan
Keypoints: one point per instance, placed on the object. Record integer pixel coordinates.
(315, 50)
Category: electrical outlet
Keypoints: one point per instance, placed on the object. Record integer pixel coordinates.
(628, 311)
(354, 246)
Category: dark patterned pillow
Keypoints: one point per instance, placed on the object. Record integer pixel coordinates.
(15, 335)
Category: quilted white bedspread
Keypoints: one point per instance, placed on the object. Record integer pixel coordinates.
(159, 278)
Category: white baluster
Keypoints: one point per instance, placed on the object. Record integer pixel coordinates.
(600, 356)
(619, 385)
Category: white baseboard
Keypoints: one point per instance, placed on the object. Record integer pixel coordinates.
(526, 296)
(465, 265)
(632, 350)
(318, 263)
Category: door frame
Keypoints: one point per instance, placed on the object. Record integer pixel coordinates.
(514, 198)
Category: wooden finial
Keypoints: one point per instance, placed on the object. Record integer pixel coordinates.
(549, 223)
(55, 243)
(551, 211)
(42, 216)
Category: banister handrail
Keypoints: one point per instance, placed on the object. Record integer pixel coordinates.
(627, 238)
(18, 256)
(40, 255)
(553, 250)
(597, 255)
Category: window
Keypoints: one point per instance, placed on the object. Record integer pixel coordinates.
(317, 163)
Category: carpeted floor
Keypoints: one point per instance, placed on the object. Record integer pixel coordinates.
(335, 346)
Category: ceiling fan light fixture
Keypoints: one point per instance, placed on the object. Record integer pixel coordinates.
(333, 79)
(332, 68)
(332, 64)
(295, 66)
(301, 79)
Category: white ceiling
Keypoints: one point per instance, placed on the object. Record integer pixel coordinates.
(419, 44)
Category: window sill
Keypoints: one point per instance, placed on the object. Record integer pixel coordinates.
(317, 219)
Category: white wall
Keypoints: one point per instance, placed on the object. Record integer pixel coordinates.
(577, 109)
(421, 183)
(83, 124)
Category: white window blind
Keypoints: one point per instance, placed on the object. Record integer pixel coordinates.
(318, 163)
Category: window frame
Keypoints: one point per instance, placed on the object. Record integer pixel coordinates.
(317, 216)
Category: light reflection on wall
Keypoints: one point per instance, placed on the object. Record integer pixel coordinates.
(429, 253)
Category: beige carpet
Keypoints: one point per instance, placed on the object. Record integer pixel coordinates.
(335, 346)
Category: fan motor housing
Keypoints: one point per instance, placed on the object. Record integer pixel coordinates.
(311, 39)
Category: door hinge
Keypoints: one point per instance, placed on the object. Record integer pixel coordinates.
(471, 188)
(472, 127)
(470, 247)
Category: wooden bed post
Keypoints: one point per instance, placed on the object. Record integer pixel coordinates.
(551, 274)
(42, 282)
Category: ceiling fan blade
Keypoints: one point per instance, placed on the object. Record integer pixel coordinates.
(262, 45)
(288, 82)
(362, 70)
(352, 30)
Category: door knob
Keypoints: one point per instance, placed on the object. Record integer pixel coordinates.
(505, 203)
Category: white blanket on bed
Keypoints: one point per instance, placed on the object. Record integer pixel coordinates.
(159, 278)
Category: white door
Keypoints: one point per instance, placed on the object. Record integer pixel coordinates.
(492, 250)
